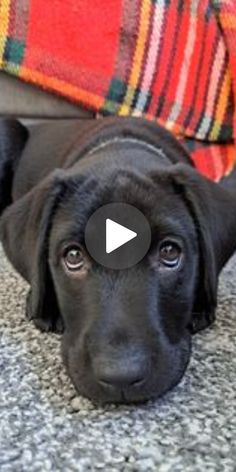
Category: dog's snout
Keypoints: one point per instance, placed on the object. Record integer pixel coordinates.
(121, 379)
(120, 374)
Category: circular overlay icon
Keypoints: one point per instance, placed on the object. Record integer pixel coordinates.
(117, 236)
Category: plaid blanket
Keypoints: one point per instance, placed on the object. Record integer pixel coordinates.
(173, 61)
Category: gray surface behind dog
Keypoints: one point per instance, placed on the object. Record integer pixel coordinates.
(45, 427)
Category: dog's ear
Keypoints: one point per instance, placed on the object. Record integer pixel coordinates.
(213, 209)
(13, 136)
(24, 231)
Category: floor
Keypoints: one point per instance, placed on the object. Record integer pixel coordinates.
(44, 426)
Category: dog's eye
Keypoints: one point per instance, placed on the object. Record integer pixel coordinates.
(73, 258)
(170, 254)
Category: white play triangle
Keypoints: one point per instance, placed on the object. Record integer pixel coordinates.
(117, 235)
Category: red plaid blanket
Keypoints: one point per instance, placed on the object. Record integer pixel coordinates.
(173, 61)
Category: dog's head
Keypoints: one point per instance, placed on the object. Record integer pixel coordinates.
(127, 334)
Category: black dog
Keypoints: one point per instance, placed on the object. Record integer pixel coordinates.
(127, 334)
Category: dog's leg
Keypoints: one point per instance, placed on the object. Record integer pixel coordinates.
(13, 137)
(52, 323)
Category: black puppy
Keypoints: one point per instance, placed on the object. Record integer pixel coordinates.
(127, 333)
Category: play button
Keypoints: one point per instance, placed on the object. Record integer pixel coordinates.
(117, 235)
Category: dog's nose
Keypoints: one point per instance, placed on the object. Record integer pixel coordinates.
(121, 380)
(121, 375)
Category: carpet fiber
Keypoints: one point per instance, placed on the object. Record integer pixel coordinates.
(44, 426)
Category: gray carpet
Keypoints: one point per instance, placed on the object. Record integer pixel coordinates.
(44, 426)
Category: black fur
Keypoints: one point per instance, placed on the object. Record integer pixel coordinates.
(13, 137)
(119, 325)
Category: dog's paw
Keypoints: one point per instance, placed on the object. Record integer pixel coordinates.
(46, 325)
(53, 323)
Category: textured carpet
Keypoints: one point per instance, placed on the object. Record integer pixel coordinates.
(44, 426)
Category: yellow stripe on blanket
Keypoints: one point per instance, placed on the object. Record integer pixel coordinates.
(4, 22)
